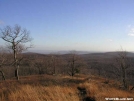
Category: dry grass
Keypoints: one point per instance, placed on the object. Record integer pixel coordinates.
(40, 88)
(42, 93)
(101, 91)
(50, 88)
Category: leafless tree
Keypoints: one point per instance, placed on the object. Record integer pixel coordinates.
(55, 63)
(42, 63)
(29, 62)
(73, 64)
(2, 61)
(123, 63)
(16, 38)
(39, 65)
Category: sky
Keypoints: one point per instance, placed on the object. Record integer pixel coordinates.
(81, 25)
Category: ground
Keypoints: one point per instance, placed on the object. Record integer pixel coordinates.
(62, 88)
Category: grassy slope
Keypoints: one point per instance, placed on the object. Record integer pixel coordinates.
(59, 88)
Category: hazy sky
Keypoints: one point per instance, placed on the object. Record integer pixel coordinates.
(86, 25)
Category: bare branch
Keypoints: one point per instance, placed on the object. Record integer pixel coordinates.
(16, 37)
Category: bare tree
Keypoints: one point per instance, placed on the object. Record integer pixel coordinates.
(39, 65)
(16, 38)
(73, 64)
(2, 61)
(29, 62)
(42, 63)
(55, 62)
(123, 64)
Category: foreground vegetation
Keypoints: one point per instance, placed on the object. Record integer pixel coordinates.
(61, 88)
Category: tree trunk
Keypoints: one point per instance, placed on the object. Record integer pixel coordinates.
(54, 71)
(73, 68)
(2, 74)
(15, 61)
(40, 72)
(17, 73)
(72, 74)
(124, 79)
(124, 76)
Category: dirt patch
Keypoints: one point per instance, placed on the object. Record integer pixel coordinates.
(83, 95)
(88, 99)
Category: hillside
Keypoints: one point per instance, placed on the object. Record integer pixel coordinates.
(47, 77)
(102, 64)
(62, 88)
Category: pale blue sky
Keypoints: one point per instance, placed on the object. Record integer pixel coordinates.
(85, 25)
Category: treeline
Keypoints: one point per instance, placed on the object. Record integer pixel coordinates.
(116, 67)
(14, 62)
(37, 64)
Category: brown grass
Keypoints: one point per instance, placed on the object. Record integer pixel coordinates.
(101, 91)
(42, 93)
(50, 88)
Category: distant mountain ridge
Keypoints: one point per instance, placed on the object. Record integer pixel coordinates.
(59, 52)
(104, 54)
